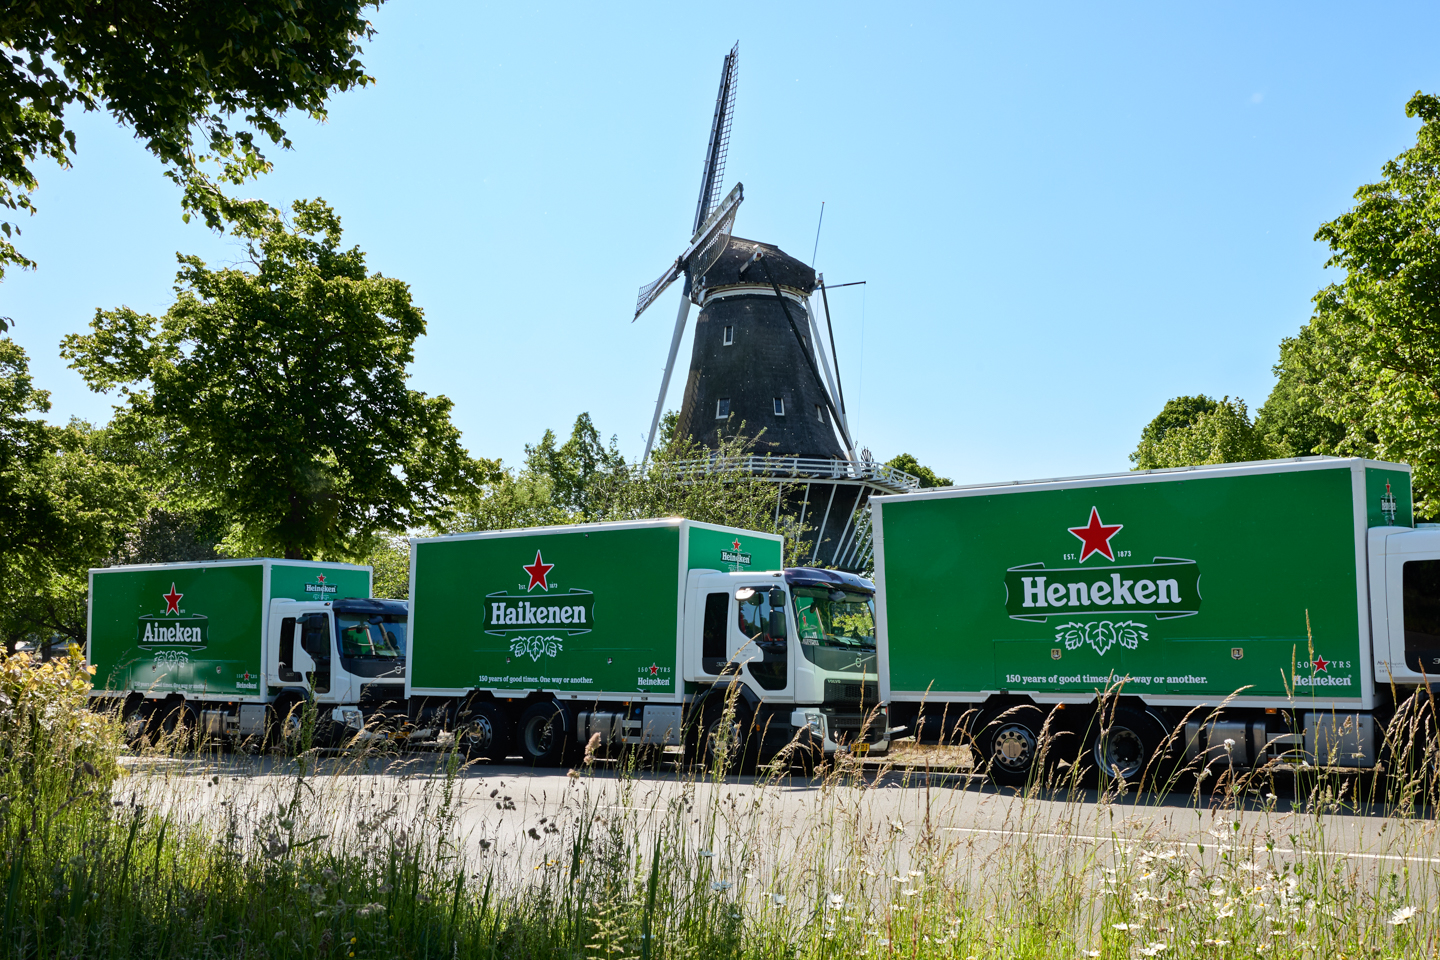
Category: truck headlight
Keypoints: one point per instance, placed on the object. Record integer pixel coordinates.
(349, 716)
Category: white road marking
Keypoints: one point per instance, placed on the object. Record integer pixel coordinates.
(1283, 851)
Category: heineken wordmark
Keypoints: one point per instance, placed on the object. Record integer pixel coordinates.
(1168, 588)
(172, 631)
(572, 612)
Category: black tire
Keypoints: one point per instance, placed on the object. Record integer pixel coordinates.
(180, 723)
(543, 734)
(483, 731)
(724, 742)
(1123, 746)
(1010, 744)
(283, 722)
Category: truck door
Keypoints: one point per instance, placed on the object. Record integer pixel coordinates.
(760, 638)
(1412, 604)
(317, 637)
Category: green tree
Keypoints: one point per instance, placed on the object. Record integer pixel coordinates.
(82, 506)
(1372, 347)
(1291, 420)
(913, 467)
(1222, 434)
(277, 397)
(389, 557)
(585, 481)
(1178, 412)
(177, 74)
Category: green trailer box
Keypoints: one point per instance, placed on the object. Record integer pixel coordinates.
(592, 611)
(1194, 585)
(198, 630)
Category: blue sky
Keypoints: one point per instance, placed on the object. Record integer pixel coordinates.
(1064, 216)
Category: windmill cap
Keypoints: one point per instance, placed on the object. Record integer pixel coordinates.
(789, 273)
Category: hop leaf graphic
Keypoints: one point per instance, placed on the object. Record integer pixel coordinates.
(1102, 635)
(536, 647)
(1073, 634)
(1130, 634)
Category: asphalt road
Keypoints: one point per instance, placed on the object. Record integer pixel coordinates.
(530, 815)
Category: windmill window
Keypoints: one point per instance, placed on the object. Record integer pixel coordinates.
(819, 413)
(729, 336)
(779, 406)
(722, 409)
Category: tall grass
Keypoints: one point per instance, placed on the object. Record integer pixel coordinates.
(184, 852)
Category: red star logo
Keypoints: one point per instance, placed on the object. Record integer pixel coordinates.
(172, 600)
(1320, 663)
(320, 578)
(537, 571)
(1096, 536)
(654, 669)
(737, 546)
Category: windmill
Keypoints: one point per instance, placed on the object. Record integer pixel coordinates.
(714, 219)
(759, 358)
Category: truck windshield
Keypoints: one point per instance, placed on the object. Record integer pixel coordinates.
(371, 637)
(835, 618)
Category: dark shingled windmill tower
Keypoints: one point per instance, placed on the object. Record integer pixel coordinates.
(759, 363)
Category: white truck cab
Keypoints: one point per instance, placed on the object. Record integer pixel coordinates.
(351, 652)
(1405, 603)
(801, 641)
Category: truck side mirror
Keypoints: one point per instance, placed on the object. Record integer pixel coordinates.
(777, 624)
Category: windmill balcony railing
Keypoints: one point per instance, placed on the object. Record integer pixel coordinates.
(800, 470)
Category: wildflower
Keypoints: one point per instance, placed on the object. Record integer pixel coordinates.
(1092, 953)
(836, 900)
(1153, 949)
(910, 893)
(1124, 926)
(370, 909)
(707, 853)
(720, 886)
(1403, 916)
(778, 899)
(915, 873)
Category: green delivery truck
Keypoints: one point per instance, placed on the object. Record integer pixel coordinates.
(229, 647)
(533, 642)
(1195, 588)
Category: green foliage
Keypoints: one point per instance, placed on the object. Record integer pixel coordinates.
(277, 397)
(913, 467)
(1291, 420)
(1371, 352)
(390, 558)
(179, 76)
(65, 505)
(1221, 434)
(1178, 412)
(586, 481)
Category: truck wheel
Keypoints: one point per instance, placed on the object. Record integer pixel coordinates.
(1124, 748)
(1011, 746)
(483, 731)
(725, 744)
(544, 734)
(180, 723)
(283, 722)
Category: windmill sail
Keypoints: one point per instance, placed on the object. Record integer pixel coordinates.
(710, 241)
(713, 178)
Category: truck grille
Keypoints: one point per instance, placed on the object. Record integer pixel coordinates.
(852, 692)
(846, 725)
